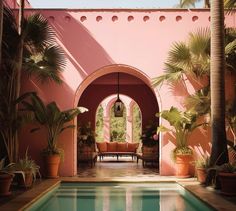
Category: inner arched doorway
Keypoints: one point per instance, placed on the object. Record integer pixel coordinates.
(103, 83)
(126, 128)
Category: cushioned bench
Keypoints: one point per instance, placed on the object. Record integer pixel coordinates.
(116, 149)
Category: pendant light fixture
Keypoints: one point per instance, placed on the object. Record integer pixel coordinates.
(119, 105)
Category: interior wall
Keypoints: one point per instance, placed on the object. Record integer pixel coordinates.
(94, 94)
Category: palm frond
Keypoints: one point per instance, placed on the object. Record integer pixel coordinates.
(229, 4)
(200, 101)
(179, 55)
(37, 33)
(199, 42)
(47, 66)
(187, 3)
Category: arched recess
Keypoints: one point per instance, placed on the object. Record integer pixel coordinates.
(90, 93)
(107, 105)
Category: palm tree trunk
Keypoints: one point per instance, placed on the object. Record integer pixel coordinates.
(17, 82)
(1, 30)
(219, 153)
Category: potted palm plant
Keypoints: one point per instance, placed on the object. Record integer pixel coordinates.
(182, 124)
(54, 120)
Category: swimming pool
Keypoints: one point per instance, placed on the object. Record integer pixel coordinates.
(118, 197)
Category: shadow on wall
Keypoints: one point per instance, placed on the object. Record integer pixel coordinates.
(81, 48)
(198, 140)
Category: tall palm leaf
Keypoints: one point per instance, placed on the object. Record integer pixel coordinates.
(52, 118)
(200, 101)
(191, 58)
(230, 4)
(219, 153)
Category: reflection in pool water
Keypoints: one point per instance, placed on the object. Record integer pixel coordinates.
(119, 197)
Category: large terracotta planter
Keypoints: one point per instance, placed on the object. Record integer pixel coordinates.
(5, 183)
(27, 183)
(51, 165)
(228, 183)
(201, 175)
(182, 165)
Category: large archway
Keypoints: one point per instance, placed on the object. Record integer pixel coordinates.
(103, 83)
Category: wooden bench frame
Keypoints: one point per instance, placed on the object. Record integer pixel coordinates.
(117, 154)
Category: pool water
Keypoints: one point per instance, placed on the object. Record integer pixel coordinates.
(118, 197)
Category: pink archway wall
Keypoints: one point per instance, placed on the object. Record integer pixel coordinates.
(96, 42)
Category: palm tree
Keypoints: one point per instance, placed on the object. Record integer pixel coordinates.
(191, 3)
(192, 58)
(40, 57)
(219, 153)
(230, 4)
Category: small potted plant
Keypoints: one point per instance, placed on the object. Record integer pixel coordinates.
(55, 121)
(6, 178)
(202, 164)
(182, 124)
(25, 170)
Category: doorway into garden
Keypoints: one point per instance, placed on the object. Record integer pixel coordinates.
(127, 128)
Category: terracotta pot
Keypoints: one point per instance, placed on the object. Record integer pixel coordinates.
(182, 165)
(5, 183)
(28, 180)
(51, 165)
(228, 183)
(201, 175)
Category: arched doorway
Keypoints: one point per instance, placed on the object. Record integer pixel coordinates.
(103, 83)
(106, 124)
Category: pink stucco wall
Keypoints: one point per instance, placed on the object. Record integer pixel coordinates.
(96, 39)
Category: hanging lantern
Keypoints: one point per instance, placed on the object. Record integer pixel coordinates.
(119, 105)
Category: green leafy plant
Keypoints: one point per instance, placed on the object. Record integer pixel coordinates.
(5, 169)
(182, 124)
(85, 135)
(53, 119)
(24, 165)
(203, 162)
(149, 134)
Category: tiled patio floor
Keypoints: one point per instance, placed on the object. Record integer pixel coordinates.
(109, 167)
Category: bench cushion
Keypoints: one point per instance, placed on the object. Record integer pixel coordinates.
(122, 147)
(132, 147)
(102, 146)
(111, 146)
